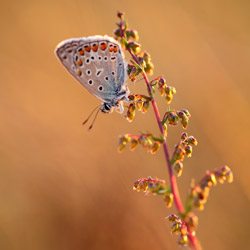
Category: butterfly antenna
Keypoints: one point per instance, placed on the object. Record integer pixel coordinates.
(91, 125)
(91, 114)
(134, 82)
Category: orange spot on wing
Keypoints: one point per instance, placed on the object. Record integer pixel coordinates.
(79, 72)
(95, 47)
(81, 52)
(87, 48)
(111, 47)
(103, 46)
(115, 49)
(79, 62)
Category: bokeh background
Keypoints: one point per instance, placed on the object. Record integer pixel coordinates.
(62, 187)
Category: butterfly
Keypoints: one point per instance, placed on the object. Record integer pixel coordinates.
(98, 64)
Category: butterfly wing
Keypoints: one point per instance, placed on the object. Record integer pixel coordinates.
(97, 63)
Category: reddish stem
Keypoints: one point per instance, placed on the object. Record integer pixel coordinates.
(173, 183)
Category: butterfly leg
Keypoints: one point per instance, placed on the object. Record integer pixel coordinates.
(121, 107)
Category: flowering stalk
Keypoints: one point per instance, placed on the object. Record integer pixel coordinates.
(173, 182)
(186, 222)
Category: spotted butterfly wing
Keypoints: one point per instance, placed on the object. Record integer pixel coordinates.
(97, 63)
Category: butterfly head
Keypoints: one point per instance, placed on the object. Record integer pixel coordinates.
(106, 108)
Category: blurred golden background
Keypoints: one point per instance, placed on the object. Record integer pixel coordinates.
(62, 187)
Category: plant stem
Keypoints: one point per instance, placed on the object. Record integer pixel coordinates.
(173, 183)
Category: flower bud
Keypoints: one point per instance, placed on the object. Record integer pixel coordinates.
(211, 179)
(169, 98)
(192, 220)
(145, 106)
(130, 116)
(199, 204)
(134, 34)
(184, 136)
(121, 147)
(120, 14)
(131, 107)
(229, 177)
(139, 105)
(191, 140)
(184, 123)
(178, 167)
(131, 97)
(136, 47)
(172, 118)
(117, 32)
(186, 112)
(169, 199)
(173, 217)
(149, 68)
(155, 147)
(179, 153)
(146, 57)
(188, 149)
(134, 143)
(183, 240)
(175, 227)
(181, 114)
